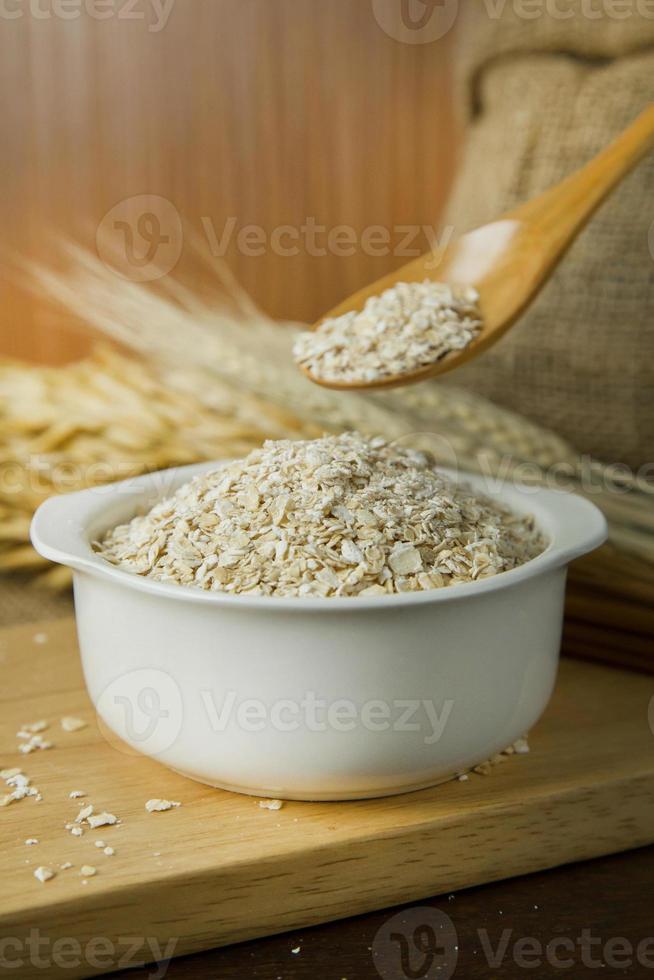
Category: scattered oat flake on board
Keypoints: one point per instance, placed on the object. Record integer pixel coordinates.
(10, 773)
(70, 724)
(76, 831)
(44, 874)
(19, 779)
(103, 819)
(33, 743)
(87, 871)
(157, 806)
(271, 804)
(66, 865)
(519, 747)
(109, 851)
(31, 840)
(35, 726)
(84, 813)
(76, 794)
(19, 784)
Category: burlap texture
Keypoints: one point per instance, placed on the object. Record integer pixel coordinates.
(541, 97)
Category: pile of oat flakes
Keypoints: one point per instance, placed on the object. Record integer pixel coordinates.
(337, 516)
(408, 326)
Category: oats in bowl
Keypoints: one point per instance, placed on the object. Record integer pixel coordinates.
(337, 516)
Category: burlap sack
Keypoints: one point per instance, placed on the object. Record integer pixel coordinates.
(541, 97)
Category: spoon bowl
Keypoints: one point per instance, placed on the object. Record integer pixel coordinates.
(509, 260)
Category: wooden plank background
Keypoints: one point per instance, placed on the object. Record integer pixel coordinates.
(266, 111)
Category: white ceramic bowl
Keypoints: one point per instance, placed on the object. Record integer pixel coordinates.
(309, 698)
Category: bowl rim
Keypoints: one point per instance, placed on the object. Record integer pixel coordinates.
(60, 532)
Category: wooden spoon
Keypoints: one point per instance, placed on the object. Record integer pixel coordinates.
(509, 260)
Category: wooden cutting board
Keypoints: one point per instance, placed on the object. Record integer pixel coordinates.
(220, 869)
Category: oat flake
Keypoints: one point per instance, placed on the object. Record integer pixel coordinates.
(271, 804)
(156, 806)
(44, 874)
(103, 819)
(70, 724)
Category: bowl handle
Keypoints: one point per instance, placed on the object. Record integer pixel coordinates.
(580, 525)
(57, 530)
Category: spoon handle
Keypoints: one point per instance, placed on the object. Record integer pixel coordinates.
(562, 211)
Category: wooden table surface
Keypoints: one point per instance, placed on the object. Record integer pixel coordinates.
(596, 916)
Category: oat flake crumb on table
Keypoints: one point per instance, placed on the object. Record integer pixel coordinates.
(338, 516)
(271, 804)
(405, 328)
(159, 806)
(103, 819)
(19, 785)
(43, 874)
(70, 724)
